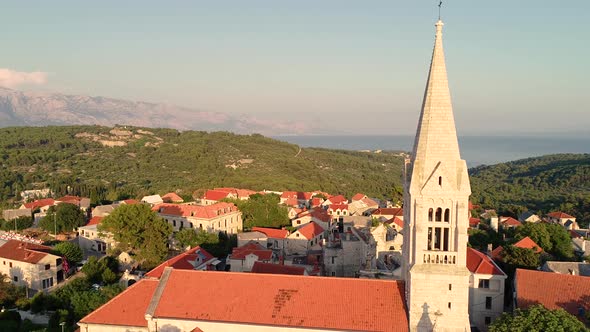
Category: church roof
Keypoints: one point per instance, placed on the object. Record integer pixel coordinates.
(436, 136)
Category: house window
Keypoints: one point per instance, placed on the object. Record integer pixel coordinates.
(47, 266)
(333, 260)
(298, 222)
(450, 286)
(488, 302)
(440, 180)
(47, 282)
(449, 305)
(333, 274)
(174, 223)
(484, 283)
(297, 234)
(488, 320)
(15, 278)
(9, 264)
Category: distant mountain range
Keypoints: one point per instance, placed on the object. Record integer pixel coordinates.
(18, 108)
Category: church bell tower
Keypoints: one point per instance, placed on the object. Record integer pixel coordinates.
(436, 212)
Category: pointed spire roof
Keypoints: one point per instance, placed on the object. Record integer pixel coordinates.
(436, 137)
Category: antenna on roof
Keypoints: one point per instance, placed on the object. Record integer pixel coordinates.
(439, 6)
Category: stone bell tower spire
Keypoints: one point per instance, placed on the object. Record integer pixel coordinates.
(436, 215)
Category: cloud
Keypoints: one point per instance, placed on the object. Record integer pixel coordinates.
(11, 78)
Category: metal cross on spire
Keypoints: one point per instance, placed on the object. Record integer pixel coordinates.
(439, 5)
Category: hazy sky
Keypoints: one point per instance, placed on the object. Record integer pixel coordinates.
(342, 66)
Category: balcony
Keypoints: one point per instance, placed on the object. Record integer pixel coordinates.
(439, 257)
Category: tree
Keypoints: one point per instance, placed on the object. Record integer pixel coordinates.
(140, 231)
(21, 223)
(262, 211)
(64, 217)
(194, 237)
(9, 293)
(520, 257)
(71, 251)
(537, 232)
(537, 319)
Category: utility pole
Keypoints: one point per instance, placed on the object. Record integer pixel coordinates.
(55, 223)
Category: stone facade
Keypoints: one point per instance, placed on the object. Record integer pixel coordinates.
(436, 213)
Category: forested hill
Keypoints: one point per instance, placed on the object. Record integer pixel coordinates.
(107, 163)
(553, 182)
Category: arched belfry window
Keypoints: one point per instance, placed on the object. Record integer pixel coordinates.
(447, 215)
(440, 180)
(430, 213)
(438, 216)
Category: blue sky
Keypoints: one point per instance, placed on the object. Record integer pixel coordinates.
(355, 67)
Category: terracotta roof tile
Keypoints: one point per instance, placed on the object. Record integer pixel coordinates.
(269, 268)
(251, 248)
(282, 300)
(480, 263)
(40, 203)
(215, 195)
(272, 232)
(358, 197)
(182, 261)
(559, 215)
(389, 211)
(23, 251)
(527, 243)
(127, 308)
(552, 290)
(197, 211)
(340, 207)
(339, 199)
(509, 221)
(310, 230)
(94, 221)
(172, 198)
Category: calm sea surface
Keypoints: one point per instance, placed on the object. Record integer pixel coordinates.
(476, 150)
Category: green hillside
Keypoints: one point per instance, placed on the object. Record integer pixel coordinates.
(108, 164)
(553, 182)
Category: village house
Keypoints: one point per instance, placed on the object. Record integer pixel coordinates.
(184, 300)
(41, 204)
(195, 258)
(388, 246)
(317, 215)
(305, 238)
(528, 216)
(83, 203)
(254, 236)
(564, 219)
(338, 199)
(571, 268)
(31, 265)
(218, 217)
(214, 196)
(11, 214)
(172, 198)
(242, 258)
(362, 207)
(93, 241)
(486, 289)
(276, 238)
(103, 210)
(338, 210)
(388, 213)
(347, 251)
(152, 200)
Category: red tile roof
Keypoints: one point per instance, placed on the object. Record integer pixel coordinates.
(182, 261)
(272, 232)
(338, 199)
(94, 221)
(131, 201)
(40, 203)
(389, 211)
(70, 199)
(240, 193)
(552, 290)
(289, 194)
(527, 243)
(251, 248)
(172, 198)
(23, 251)
(269, 268)
(215, 195)
(480, 263)
(283, 300)
(310, 230)
(560, 215)
(127, 308)
(509, 221)
(316, 201)
(369, 202)
(197, 211)
(292, 202)
(340, 207)
(358, 197)
(397, 221)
